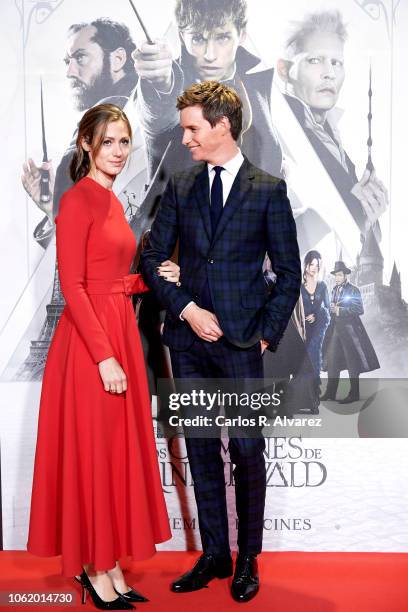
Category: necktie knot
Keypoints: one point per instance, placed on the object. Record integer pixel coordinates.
(218, 170)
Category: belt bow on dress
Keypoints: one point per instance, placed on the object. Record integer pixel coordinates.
(129, 284)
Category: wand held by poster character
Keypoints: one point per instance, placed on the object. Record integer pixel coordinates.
(369, 189)
(370, 165)
(45, 195)
(142, 25)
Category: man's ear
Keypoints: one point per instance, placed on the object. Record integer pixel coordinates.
(225, 124)
(118, 59)
(283, 67)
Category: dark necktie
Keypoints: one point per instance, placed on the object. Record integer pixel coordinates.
(337, 294)
(217, 202)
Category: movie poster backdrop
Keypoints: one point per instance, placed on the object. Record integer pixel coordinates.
(324, 93)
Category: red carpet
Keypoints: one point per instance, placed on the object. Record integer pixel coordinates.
(290, 582)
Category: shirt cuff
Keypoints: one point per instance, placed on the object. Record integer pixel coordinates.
(184, 309)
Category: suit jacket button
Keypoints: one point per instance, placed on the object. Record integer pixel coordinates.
(210, 261)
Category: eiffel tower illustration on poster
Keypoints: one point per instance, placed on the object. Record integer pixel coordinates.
(33, 366)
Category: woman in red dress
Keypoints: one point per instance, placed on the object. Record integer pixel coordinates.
(97, 494)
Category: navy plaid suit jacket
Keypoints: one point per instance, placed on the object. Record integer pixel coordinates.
(256, 219)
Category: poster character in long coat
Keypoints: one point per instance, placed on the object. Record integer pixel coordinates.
(346, 344)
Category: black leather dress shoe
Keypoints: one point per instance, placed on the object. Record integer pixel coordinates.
(245, 584)
(206, 568)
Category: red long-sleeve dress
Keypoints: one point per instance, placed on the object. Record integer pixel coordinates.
(97, 494)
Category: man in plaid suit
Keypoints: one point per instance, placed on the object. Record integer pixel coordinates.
(226, 214)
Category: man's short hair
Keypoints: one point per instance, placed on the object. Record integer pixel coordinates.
(201, 15)
(217, 101)
(321, 21)
(110, 35)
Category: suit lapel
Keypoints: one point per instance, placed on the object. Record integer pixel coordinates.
(237, 196)
(201, 194)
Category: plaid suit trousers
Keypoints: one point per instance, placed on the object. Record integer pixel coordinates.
(223, 360)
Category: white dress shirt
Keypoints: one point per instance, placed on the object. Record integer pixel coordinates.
(231, 169)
